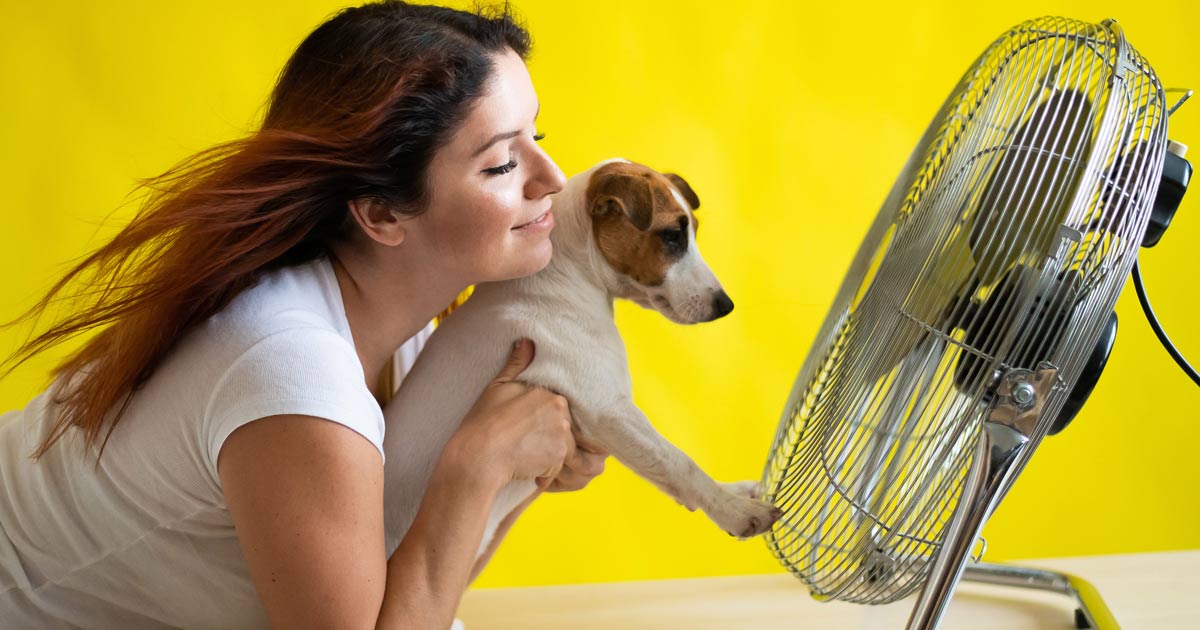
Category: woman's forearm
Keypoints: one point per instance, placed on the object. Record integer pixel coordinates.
(430, 570)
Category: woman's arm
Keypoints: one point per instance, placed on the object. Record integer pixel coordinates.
(432, 567)
(306, 497)
(583, 465)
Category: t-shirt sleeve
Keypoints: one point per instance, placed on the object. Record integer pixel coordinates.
(306, 371)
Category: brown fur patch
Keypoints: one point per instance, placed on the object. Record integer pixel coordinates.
(684, 189)
(620, 196)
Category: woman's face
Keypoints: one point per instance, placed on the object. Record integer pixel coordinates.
(489, 187)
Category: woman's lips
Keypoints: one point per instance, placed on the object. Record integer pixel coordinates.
(544, 222)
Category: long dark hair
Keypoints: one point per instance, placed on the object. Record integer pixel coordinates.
(358, 112)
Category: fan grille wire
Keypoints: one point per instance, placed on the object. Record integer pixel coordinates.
(1040, 166)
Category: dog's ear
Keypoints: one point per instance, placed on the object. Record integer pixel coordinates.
(684, 189)
(627, 193)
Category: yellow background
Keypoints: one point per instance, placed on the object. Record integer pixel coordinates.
(791, 124)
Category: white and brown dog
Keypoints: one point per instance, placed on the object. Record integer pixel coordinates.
(622, 230)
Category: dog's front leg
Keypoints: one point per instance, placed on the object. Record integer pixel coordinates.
(628, 435)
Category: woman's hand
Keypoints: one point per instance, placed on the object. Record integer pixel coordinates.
(580, 468)
(517, 432)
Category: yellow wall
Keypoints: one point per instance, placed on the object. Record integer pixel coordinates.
(791, 125)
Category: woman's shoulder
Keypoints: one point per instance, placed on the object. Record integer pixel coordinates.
(282, 347)
(287, 332)
(298, 300)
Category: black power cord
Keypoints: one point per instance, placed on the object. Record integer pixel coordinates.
(1162, 335)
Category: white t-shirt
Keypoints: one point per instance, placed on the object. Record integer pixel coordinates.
(145, 540)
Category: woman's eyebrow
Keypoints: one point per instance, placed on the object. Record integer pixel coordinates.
(504, 135)
(496, 138)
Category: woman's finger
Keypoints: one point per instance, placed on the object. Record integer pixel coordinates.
(591, 464)
(589, 445)
(575, 460)
(585, 462)
(568, 481)
(578, 470)
(519, 359)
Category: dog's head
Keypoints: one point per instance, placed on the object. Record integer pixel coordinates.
(644, 225)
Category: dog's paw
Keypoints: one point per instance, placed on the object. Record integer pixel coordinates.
(748, 489)
(745, 517)
(458, 624)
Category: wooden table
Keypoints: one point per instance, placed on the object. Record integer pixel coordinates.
(1155, 591)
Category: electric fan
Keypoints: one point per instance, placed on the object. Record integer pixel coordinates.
(974, 320)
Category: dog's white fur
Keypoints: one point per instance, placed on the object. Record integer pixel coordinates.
(567, 310)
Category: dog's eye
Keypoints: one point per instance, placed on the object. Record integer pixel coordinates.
(673, 239)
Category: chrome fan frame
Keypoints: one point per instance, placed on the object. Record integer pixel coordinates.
(977, 297)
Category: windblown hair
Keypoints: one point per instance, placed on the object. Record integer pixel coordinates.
(357, 112)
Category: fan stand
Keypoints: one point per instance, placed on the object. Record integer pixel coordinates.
(1003, 444)
(1091, 612)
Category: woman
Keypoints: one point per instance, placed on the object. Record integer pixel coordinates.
(213, 457)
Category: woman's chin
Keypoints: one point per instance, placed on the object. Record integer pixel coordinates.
(540, 257)
(530, 261)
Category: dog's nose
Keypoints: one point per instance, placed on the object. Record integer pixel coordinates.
(722, 305)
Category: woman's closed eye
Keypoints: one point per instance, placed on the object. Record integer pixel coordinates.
(502, 169)
(512, 162)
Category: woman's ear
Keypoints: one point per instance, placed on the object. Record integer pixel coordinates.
(379, 222)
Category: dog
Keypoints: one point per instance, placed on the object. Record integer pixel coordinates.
(622, 230)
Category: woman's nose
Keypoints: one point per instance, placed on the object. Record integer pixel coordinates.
(548, 180)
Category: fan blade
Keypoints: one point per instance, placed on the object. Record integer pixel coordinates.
(1031, 190)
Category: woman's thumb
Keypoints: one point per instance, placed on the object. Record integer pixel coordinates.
(519, 359)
